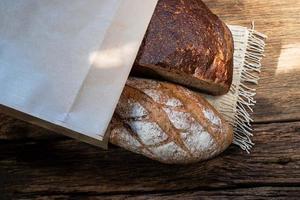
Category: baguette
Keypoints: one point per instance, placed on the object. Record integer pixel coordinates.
(168, 123)
(187, 44)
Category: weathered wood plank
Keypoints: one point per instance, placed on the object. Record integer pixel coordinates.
(244, 193)
(14, 129)
(278, 94)
(68, 166)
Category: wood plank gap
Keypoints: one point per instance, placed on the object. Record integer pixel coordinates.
(276, 121)
(155, 192)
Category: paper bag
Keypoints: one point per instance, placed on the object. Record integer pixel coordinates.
(63, 64)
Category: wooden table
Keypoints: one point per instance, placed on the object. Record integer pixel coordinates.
(37, 163)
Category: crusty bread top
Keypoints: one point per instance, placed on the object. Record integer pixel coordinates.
(168, 123)
(184, 36)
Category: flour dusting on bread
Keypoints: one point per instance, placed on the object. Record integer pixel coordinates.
(212, 117)
(149, 132)
(169, 123)
(137, 110)
(169, 151)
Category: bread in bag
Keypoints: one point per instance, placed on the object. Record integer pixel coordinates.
(187, 44)
(168, 123)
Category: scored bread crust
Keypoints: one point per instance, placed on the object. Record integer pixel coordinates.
(187, 44)
(168, 123)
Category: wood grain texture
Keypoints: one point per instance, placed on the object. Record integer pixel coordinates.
(278, 93)
(63, 166)
(243, 193)
(35, 163)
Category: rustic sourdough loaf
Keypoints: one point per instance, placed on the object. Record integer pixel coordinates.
(168, 123)
(187, 44)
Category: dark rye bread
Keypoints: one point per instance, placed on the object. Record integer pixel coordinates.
(187, 44)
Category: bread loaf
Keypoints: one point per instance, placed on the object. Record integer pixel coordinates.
(187, 44)
(168, 123)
